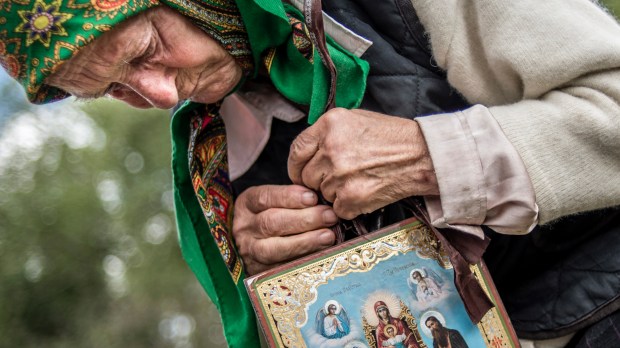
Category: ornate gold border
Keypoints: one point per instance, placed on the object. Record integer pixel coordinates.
(285, 297)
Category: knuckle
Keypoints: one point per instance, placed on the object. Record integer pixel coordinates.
(349, 215)
(346, 166)
(250, 269)
(333, 114)
(307, 179)
(345, 197)
(297, 147)
(265, 225)
(265, 253)
(239, 232)
(312, 244)
(254, 268)
(242, 247)
(246, 197)
(344, 210)
(238, 209)
(236, 230)
(329, 196)
(353, 191)
(330, 147)
(307, 221)
(263, 198)
(241, 200)
(254, 252)
(245, 248)
(249, 192)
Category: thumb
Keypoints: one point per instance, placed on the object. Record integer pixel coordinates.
(303, 148)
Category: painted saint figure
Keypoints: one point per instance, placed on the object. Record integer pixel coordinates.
(444, 337)
(399, 325)
(332, 321)
(394, 340)
(426, 288)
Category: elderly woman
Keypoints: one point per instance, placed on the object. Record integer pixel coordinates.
(543, 146)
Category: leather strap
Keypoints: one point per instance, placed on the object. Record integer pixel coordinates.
(462, 253)
(462, 250)
(313, 16)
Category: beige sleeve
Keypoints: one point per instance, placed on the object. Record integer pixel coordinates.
(492, 186)
(549, 73)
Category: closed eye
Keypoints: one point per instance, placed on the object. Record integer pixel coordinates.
(149, 52)
(111, 88)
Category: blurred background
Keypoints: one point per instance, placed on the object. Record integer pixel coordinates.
(88, 246)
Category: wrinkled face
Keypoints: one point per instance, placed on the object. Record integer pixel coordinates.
(154, 59)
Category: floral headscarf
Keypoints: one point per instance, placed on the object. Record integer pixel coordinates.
(37, 36)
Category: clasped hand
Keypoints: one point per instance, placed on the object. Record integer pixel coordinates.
(359, 160)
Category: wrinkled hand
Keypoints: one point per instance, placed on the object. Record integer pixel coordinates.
(362, 160)
(274, 224)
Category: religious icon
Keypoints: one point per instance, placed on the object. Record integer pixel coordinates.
(377, 279)
(332, 321)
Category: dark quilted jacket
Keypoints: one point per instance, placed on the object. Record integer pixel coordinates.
(554, 281)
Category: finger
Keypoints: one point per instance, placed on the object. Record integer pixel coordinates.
(280, 249)
(367, 113)
(260, 198)
(313, 173)
(253, 267)
(277, 222)
(328, 188)
(346, 209)
(302, 150)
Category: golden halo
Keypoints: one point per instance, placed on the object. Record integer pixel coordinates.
(391, 301)
(332, 302)
(385, 330)
(425, 316)
(421, 271)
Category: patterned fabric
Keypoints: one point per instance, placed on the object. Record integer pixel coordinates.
(281, 43)
(301, 38)
(208, 164)
(37, 36)
(220, 20)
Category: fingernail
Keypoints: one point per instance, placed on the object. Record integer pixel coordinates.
(327, 238)
(308, 198)
(329, 217)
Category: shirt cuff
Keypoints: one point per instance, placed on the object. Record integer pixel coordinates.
(482, 180)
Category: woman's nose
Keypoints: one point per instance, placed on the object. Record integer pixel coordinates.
(157, 86)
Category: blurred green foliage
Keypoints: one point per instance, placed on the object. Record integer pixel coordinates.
(88, 251)
(613, 5)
